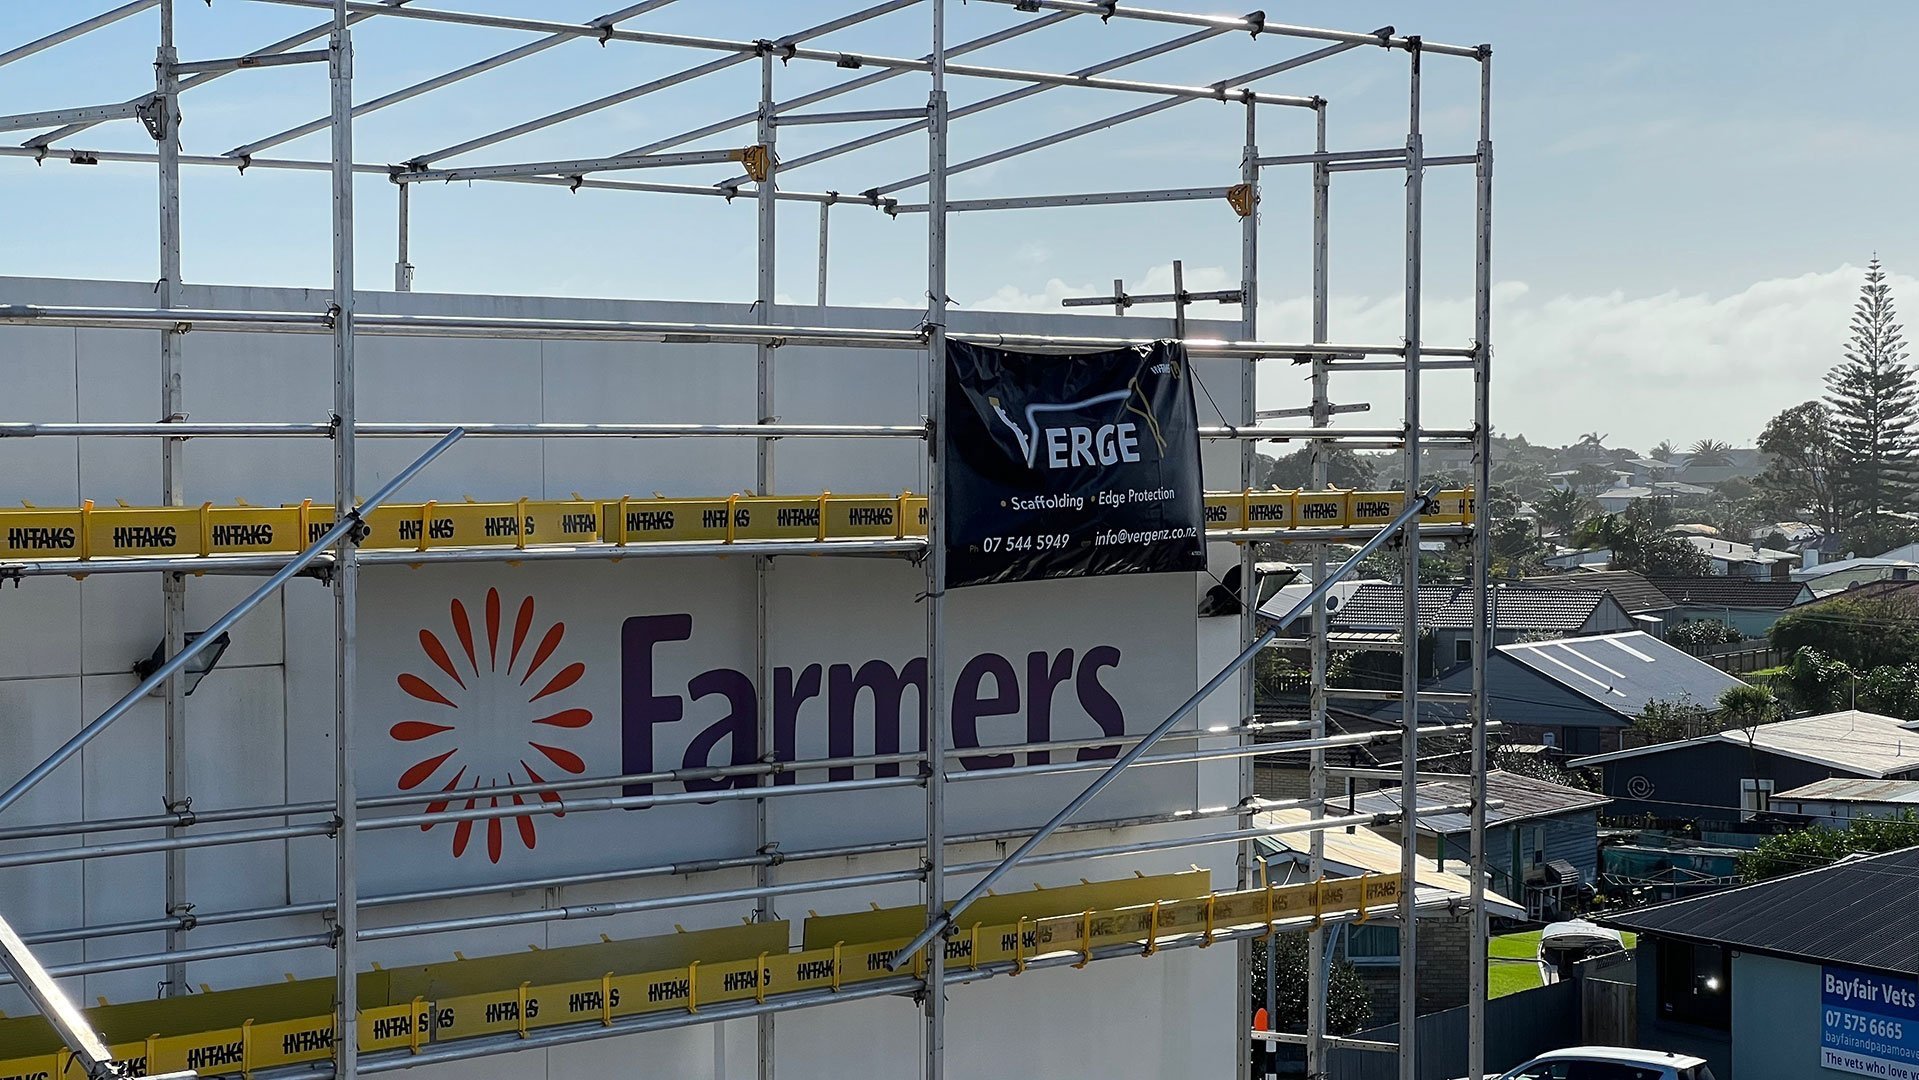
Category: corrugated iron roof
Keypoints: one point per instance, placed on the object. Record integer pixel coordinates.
(1855, 789)
(1523, 797)
(1862, 743)
(1623, 671)
(1450, 607)
(1858, 912)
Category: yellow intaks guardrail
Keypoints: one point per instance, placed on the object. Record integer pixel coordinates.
(1057, 924)
(96, 532)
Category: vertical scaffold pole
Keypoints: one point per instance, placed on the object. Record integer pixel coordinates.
(173, 482)
(1482, 559)
(826, 224)
(1409, 627)
(763, 567)
(933, 741)
(1316, 760)
(346, 568)
(1248, 586)
(403, 257)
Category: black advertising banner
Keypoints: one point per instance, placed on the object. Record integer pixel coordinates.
(1071, 465)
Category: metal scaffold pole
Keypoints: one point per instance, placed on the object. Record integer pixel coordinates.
(1482, 562)
(763, 484)
(1316, 706)
(1248, 553)
(1409, 626)
(933, 740)
(172, 479)
(346, 570)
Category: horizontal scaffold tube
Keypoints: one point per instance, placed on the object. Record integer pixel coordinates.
(388, 325)
(561, 430)
(679, 869)
(188, 818)
(635, 802)
(603, 910)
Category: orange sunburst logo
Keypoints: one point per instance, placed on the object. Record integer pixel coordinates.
(495, 701)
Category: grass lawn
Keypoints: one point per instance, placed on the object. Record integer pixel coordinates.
(1515, 963)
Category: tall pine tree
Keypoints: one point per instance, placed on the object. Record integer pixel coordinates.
(1873, 400)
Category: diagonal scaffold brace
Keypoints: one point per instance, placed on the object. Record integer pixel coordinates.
(1273, 626)
(347, 523)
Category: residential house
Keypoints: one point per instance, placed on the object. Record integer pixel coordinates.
(1445, 933)
(1446, 612)
(1733, 775)
(1649, 608)
(1621, 495)
(1747, 605)
(1794, 978)
(1582, 694)
(1730, 558)
(1836, 577)
(1742, 464)
(1542, 839)
(1567, 558)
(1838, 800)
(1286, 776)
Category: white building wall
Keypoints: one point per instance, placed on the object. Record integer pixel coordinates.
(260, 726)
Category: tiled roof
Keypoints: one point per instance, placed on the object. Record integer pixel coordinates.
(1737, 592)
(1634, 593)
(1524, 798)
(1450, 607)
(1856, 912)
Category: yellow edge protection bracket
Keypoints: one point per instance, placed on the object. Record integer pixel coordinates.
(607, 996)
(87, 532)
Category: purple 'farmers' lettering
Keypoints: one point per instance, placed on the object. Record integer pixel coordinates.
(789, 693)
(643, 708)
(739, 726)
(640, 709)
(969, 707)
(1043, 676)
(1099, 702)
(889, 687)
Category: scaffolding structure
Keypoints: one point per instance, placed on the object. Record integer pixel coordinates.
(760, 178)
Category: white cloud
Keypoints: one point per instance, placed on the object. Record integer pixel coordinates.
(1640, 368)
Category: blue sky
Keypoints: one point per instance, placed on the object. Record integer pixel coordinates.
(1685, 193)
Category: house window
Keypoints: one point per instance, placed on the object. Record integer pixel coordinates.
(1532, 841)
(1375, 946)
(1695, 984)
(1463, 651)
(1755, 796)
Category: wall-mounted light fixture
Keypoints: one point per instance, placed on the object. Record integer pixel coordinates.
(196, 669)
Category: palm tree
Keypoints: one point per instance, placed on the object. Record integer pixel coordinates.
(1710, 452)
(1563, 511)
(1665, 451)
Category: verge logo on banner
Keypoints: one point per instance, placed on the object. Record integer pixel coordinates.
(1070, 465)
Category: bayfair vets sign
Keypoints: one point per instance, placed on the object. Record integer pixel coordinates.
(1070, 465)
(1869, 1023)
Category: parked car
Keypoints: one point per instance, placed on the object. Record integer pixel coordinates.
(1611, 1063)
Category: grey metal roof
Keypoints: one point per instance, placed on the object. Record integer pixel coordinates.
(1524, 798)
(1858, 912)
(1853, 741)
(1623, 671)
(1450, 607)
(1855, 789)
